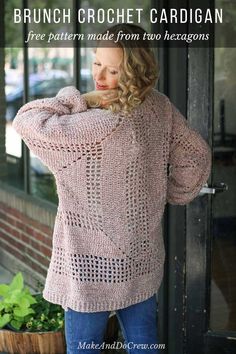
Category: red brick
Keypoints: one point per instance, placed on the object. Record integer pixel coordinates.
(35, 245)
(8, 218)
(12, 250)
(39, 269)
(13, 242)
(15, 233)
(42, 260)
(12, 211)
(44, 239)
(39, 257)
(37, 240)
(5, 227)
(3, 216)
(35, 266)
(25, 238)
(11, 220)
(29, 230)
(20, 225)
(38, 226)
(9, 229)
(24, 219)
(46, 251)
(23, 257)
(46, 229)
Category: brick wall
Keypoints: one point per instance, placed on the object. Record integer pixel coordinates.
(25, 236)
(26, 239)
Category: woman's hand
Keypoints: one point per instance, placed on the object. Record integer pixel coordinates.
(101, 98)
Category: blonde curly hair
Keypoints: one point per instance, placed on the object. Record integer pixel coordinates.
(139, 69)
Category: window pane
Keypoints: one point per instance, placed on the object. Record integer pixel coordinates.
(50, 69)
(86, 60)
(12, 72)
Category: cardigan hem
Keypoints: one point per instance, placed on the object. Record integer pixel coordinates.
(66, 302)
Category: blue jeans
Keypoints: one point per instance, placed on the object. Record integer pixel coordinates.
(138, 323)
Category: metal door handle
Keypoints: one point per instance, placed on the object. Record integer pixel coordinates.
(222, 187)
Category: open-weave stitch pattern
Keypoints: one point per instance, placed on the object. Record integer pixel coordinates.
(114, 175)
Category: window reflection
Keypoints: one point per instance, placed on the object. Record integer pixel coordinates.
(50, 69)
(86, 80)
(13, 70)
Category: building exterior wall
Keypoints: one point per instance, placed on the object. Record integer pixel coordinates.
(26, 231)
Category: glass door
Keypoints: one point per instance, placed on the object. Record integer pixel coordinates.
(222, 312)
(223, 275)
(219, 282)
(202, 236)
(210, 294)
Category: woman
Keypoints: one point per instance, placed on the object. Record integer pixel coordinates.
(115, 167)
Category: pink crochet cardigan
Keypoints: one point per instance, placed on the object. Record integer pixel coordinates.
(114, 176)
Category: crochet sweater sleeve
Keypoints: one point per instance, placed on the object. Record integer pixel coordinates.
(189, 161)
(57, 128)
(50, 118)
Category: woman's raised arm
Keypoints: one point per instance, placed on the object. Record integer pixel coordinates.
(54, 127)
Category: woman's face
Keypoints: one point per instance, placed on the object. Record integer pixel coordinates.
(106, 67)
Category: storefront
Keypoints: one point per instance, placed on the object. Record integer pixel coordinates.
(197, 300)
